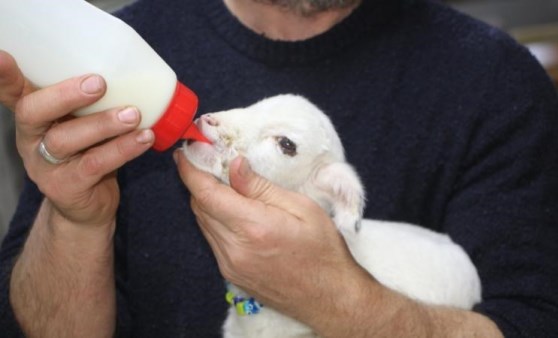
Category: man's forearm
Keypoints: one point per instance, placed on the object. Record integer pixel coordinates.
(369, 309)
(62, 284)
(411, 319)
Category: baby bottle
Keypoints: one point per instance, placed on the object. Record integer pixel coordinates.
(57, 39)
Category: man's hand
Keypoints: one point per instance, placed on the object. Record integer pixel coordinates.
(283, 249)
(277, 245)
(82, 189)
(62, 284)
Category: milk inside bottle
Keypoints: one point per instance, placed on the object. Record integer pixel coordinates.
(57, 39)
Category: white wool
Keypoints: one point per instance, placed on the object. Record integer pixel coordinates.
(412, 260)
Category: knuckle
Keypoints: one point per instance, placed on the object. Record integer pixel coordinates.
(106, 123)
(258, 234)
(204, 196)
(91, 165)
(122, 148)
(56, 141)
(262, 188)
(99, 124)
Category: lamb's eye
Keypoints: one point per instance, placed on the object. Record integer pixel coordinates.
(288, 147)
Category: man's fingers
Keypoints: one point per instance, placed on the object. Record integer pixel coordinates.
(88, 168)
(70, 137)
(13, 85)
(37, 111)
(107, 157)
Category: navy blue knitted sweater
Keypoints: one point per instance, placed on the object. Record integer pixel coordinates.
(450, 123)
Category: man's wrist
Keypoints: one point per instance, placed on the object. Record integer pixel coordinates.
(65, 234)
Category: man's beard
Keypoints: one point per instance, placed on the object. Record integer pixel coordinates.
(310, 7)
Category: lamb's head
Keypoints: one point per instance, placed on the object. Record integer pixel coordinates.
(289, 141)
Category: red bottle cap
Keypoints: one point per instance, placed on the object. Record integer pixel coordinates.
(176, 122)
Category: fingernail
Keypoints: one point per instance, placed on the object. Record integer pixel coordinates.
(92, 84)
(146, 136)
(244, 169)
(128, 115)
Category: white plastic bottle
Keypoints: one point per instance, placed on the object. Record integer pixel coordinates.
(53, 40)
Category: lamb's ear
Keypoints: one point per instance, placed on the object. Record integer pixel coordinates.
(340, 186)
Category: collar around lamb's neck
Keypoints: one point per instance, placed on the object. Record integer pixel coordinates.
(245, 306)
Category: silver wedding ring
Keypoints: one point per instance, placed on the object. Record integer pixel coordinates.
(48, 156)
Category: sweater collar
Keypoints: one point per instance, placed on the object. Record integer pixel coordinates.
(360, 23)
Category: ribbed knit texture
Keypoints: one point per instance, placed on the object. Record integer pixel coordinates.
(449, 122)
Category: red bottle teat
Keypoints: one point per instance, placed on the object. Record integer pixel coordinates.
(177, 121)
(193, 133)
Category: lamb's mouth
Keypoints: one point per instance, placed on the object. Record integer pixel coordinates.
(190, 142)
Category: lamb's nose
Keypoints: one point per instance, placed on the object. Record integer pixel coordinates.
(209, 119)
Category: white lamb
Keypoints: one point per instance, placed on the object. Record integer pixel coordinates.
(292, 143)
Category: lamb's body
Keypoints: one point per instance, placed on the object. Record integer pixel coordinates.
(417, 262)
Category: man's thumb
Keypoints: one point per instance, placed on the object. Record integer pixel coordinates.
(248, 183)
(251, 185)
